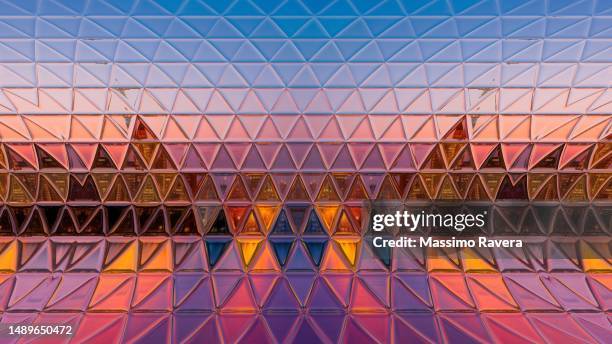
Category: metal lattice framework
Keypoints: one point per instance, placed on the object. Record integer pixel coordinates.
(194, 171)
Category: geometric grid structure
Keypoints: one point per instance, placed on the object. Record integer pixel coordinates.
(197, 170)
